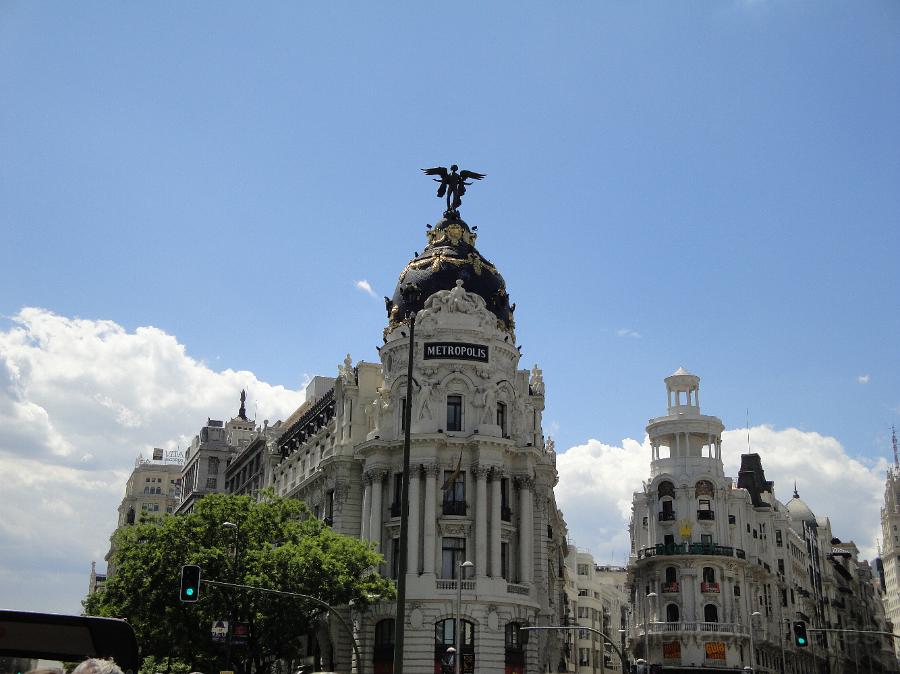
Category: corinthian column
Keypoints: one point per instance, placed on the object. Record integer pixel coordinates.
(496, 477)
(366, 507)
(481, 508)
(412, 550)
(430, 517)
(375, 522)
(526, 527)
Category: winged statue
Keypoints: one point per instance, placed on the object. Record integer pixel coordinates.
(453, 184)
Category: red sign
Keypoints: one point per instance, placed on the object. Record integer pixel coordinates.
(715, 650)
(671, 650)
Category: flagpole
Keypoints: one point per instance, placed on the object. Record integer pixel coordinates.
(400, 618)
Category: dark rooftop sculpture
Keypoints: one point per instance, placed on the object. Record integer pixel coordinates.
(453, 184)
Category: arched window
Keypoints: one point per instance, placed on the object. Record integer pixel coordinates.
(666, 488)
(445, 637)
(711, 613)
(703, 488)
(515, 649)
(671, 576)
(383, 655)
(709, 574)
(672, 613)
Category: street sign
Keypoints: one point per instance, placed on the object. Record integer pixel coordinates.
(220, 631)
(240, 634)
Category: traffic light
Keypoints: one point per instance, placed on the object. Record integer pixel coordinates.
(800, 638)
(190, 583)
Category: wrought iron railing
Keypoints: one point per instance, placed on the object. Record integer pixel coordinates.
(691, 549)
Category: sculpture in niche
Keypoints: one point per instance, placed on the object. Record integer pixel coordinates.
(456, 301)
(490, 404)
(537, 381)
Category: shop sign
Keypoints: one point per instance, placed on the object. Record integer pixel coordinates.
(715, 650)
(671, 650)
(456, 351)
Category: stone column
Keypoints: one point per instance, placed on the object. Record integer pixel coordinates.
(412, 557)
(375, 520)
(481, 507)
(496, 520)
(526, 528)
(430, 517)
(366, 507)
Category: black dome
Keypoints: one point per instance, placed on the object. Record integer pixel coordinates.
(450, 255)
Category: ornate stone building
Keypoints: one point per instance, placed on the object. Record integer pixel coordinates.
(720, 569)
(482, 479)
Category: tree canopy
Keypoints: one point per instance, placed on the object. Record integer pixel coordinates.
(276, 544)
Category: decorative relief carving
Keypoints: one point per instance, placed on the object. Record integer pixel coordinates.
(431, 469)
(498, 473)
(480, 471)
(341, 491)
(537, 381)
(456, 529)
(524, 481)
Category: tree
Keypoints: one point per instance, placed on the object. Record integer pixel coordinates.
(277, 544)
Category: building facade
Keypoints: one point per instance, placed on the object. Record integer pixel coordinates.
(890, 546)
(720, 569)
(596, 598)
(482, 478)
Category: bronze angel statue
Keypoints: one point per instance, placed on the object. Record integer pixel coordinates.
(453, 184)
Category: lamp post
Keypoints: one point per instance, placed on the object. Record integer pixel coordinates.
(457, 668)
(647, 598)
(752, 616)
(234, 561)
(411, 295)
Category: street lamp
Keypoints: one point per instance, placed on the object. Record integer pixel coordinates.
(647, 598)
(752, 616)
(457, 668)
(234, 528)
(411, 295)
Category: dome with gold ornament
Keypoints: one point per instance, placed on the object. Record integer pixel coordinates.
(449, 256)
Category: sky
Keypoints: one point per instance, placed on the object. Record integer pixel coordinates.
(198, 198)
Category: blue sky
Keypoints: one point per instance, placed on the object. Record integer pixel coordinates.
(710, 185)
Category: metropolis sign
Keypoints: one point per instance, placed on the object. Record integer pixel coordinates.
(456, 351)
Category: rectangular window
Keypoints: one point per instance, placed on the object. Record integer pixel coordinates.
(395, 558)
(454, 493)
(329, 505)
(453, 553)
(398, 494)
(706, 539)
(778, 540)
(454, 413)
(584, 612)
(501, 417)
(584, 569)
(211, 483)
(505, 510)
(780, 566)
(704, 504)
(504, 560)
(584, 657)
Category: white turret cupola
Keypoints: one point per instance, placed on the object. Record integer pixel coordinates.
(685, 442)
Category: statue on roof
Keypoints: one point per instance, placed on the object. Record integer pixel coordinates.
(453, 184)
(242, 413)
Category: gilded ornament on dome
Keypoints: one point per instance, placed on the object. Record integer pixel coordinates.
(476, 262)
(455, 232)
(436, 264)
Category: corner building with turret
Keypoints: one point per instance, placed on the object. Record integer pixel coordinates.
(481, 480)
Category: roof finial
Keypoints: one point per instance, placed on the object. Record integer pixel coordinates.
(242, 413)
(796, 495)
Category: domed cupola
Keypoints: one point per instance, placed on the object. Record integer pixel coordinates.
(450, 256)
(800, 512)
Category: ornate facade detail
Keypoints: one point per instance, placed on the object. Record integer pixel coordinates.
(524, 481)
(537, 381)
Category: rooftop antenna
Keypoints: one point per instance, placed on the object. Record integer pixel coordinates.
(894, 443)
(748, 430)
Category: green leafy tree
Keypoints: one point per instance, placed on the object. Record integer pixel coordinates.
(277, 544)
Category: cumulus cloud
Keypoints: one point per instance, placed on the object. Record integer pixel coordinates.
(628, 332)
(863, 378)
(365, 286)
(596, 482)
(79, 401)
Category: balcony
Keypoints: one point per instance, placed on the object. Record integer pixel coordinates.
(706, 515)
(691, 549)
(666, 516)
(673, 628)
(670, 587)
(454, 507)
(709, 587)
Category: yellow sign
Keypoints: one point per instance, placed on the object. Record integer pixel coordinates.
(684, 528)
(671, 650)
(715, 650)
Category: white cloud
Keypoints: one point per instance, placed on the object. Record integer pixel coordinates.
(596, 482)
(627, 332)
(863, 378)
(79, 400)
(365, 286)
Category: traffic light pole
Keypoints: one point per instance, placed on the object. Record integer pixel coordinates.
(315, 600)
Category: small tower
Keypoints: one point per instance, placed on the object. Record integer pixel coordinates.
(685, 442)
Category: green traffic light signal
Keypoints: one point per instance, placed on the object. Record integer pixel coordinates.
(800, 638)
(190, 583)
